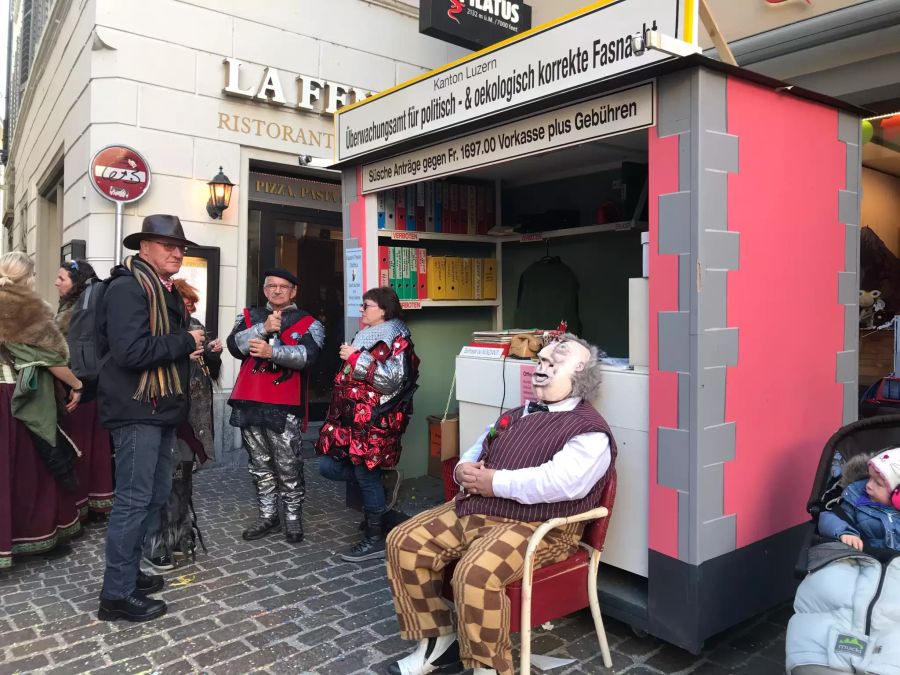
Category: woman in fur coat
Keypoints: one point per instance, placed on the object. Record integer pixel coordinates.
(94, 467)
(37, 460)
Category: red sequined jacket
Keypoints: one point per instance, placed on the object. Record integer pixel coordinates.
(372, 398)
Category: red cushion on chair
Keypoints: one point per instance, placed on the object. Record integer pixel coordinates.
(547, 602)
(556, 590)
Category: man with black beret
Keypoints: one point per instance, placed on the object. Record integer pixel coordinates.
(277, 344)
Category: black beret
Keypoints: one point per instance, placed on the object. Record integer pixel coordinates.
(282, 273)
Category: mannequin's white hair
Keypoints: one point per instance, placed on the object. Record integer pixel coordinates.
(585, 382)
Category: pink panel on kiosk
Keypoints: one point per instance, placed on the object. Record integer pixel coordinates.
(358, 218)
(782, 394)
(663, 507)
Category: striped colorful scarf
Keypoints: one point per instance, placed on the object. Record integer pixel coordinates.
(162, 380)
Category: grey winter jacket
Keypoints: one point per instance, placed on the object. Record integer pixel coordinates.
(847, 613)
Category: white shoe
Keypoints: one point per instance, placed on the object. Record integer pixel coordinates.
(431, 655)
(161, 563)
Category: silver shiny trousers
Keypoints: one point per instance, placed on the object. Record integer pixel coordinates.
(277, 468)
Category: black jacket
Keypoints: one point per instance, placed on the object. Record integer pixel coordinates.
(124, 331)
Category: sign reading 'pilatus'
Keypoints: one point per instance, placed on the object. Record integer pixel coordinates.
(473, 24)
(120, 174)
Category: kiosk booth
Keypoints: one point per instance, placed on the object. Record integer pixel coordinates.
(709, 216)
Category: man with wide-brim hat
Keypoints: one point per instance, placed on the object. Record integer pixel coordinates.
(145, 349)
(277, 344)
(159, 227)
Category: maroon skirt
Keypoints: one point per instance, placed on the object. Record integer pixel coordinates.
(94, 467)
(35, 513)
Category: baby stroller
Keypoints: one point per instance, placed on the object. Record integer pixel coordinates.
(847, 608)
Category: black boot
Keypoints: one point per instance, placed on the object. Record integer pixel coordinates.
(261, 528)
(371, 546)
(148, 583)
(293, 527)
(391, 479)
(135, 607)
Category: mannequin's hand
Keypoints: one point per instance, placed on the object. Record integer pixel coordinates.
(476, 479)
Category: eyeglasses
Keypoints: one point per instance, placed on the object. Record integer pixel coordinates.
(278, 287)
(170, 247)
(367, 305)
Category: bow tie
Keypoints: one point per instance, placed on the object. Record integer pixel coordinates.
(534, 407)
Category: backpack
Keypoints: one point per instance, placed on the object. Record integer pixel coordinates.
(84, 338)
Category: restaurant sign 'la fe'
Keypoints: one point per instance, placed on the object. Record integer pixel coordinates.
(313, 94)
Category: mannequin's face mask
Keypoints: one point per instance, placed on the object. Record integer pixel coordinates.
(557, 364)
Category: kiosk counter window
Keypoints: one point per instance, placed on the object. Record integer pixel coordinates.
(680, 217)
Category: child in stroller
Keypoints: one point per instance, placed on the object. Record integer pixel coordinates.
(847, 608)
(868, 509)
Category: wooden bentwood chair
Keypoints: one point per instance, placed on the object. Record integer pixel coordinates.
(564, 587)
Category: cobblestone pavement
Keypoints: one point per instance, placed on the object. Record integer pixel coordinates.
(275, 607)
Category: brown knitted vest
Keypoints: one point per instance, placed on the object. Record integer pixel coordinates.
(531, 441)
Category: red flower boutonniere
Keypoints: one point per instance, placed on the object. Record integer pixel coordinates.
(501, 425)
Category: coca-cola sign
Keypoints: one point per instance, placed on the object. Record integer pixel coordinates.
(120, 174)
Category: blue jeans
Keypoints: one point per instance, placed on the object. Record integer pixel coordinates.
(143, 484)
(368, 481)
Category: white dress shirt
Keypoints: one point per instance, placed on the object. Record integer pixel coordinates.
(570, 474)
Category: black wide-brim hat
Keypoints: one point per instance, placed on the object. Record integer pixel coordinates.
(158, 226)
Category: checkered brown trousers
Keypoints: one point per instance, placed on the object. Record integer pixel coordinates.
(491, 553)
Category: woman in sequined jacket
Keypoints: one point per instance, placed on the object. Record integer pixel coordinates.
(370, 408)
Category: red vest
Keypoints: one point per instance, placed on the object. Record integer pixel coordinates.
(281, 387)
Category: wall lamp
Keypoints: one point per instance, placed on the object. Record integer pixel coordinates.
(219, 195)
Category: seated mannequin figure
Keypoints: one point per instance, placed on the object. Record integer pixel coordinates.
(544, 460)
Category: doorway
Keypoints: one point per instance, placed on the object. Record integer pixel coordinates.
(309, 244)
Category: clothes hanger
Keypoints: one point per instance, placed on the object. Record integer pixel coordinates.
(547, 257)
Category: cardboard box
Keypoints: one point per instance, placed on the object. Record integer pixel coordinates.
(443, 442)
